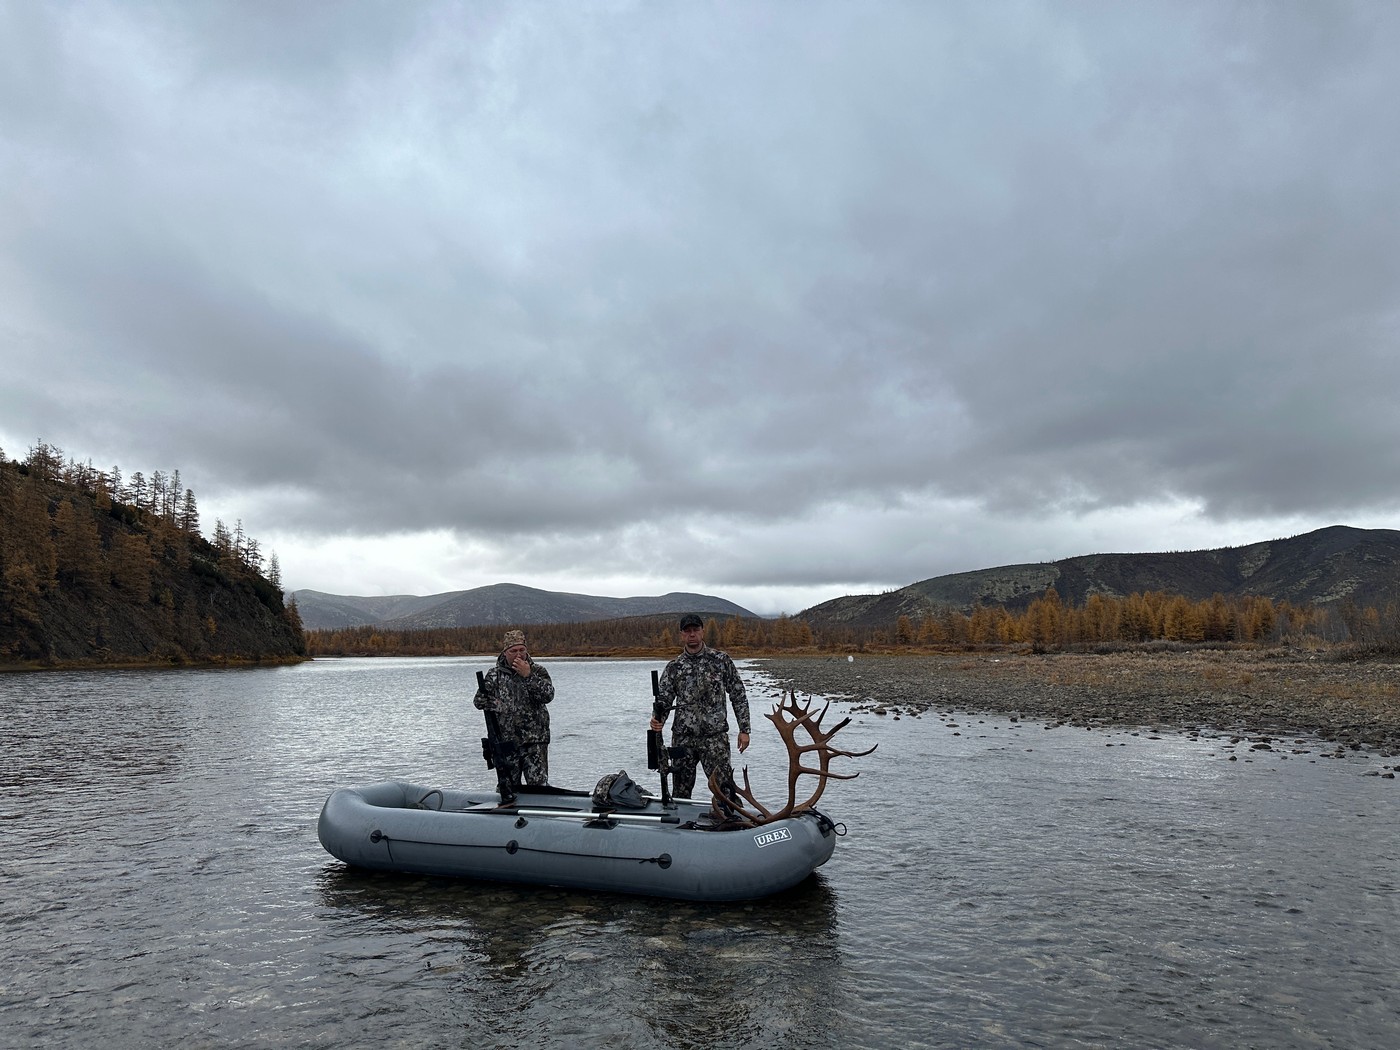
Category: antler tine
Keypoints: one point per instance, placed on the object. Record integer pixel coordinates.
(813, 726)
(802, 715)
(835, 752)
(826, 773)
(761, 814)
(788, 716)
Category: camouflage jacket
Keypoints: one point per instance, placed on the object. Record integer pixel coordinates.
(519, 703)
(695, 686)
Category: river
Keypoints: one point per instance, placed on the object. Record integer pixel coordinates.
(1001, 884)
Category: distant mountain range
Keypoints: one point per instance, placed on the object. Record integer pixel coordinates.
(1317, 568)
(500, 603)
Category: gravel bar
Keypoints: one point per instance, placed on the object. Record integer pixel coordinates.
(1352, 704)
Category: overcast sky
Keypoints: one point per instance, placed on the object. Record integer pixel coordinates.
(773, 301)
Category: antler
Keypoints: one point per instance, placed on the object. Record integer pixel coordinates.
(789, 716)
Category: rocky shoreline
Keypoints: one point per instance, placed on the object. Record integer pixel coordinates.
(1250, 694)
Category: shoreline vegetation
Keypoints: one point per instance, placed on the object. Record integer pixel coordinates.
(1045, 625)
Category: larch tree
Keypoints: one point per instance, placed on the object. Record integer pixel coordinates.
(189, 514)
(31, 542)
(44, 462)
(78, 548)
(137, 492)
(131, 564)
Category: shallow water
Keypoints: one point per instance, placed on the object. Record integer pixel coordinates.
(1001, 884)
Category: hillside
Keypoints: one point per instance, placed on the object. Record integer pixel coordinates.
(320, 610)
(96, 572)
(1327, 567)
(500, 603)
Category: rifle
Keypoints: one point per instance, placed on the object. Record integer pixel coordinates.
(499, 754)
(658, 754)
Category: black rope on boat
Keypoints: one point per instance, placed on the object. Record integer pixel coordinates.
(376, 836)
(513, 847)
(826, 824)
(663, 861)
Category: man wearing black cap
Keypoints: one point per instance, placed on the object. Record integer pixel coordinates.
(695, 684)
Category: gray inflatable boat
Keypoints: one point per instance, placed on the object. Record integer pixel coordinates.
(558, 838)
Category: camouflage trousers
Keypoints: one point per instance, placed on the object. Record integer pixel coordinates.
(710, 752)
(531, 765)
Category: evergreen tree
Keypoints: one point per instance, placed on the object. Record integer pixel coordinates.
(172, 511)
(189, 514)
(223, 539)
(138, 492)
(160, 493)
(252, 555)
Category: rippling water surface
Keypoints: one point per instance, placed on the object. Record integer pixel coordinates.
(1002, 884)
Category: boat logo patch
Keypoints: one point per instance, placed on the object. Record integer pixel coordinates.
(767, 838)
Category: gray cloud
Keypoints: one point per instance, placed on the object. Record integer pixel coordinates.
(707, 296)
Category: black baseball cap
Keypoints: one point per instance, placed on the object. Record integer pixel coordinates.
(691, 620)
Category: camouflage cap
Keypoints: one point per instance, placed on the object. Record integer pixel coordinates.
(513, 638)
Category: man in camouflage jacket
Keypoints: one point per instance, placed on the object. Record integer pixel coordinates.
(695, 684)
(518, 690)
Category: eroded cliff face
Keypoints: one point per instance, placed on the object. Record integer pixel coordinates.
(200, 616)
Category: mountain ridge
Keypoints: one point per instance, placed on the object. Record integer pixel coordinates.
(1328, 566)
(497, 603)
(1324, 567)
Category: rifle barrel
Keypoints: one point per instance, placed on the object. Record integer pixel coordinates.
(497, 753)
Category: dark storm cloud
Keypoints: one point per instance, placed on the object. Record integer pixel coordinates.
(723, 293)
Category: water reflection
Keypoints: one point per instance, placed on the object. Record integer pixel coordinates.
(678, 974)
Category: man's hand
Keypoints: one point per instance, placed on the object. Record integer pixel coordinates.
(655, 724)
(743, 742)
(521, 666)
